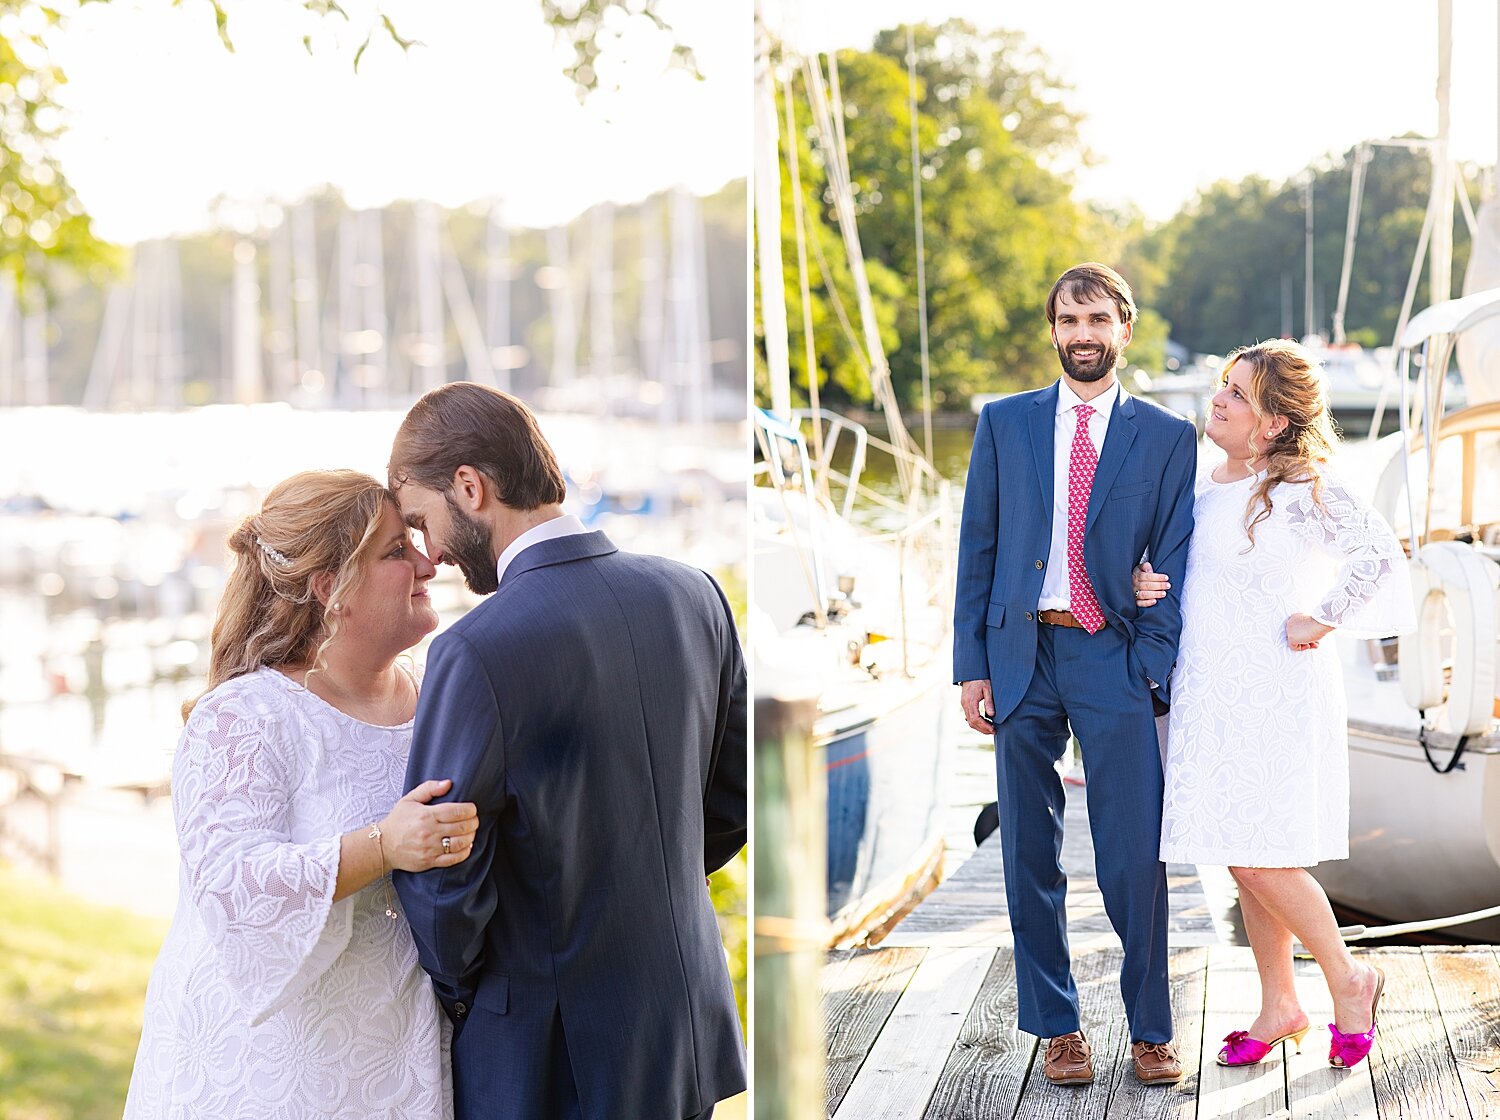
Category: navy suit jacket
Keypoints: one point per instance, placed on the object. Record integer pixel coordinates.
(1140, 507)
(593, 709)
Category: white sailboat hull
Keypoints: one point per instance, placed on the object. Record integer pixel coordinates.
(1422, 845)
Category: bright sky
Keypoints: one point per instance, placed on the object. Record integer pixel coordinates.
(163, 120)
(1181, 93)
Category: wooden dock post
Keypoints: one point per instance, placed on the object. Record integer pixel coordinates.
(790, 864)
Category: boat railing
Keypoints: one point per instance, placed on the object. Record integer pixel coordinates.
(918, 524)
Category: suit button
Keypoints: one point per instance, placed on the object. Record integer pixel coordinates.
(1040, 565)
(460, 1009)
(1028, 616)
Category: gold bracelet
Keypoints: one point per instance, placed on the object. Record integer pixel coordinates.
(390, 893)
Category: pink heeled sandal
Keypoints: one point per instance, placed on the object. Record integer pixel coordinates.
(1347, 1050)
(1242, 1050)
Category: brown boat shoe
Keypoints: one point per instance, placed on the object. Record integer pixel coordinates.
(1070, 1060)
(1156, 1063)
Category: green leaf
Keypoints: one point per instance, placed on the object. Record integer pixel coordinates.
(404, 44)
(221, 21)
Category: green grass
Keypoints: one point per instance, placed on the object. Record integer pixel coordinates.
(727, 889)
(72, 985)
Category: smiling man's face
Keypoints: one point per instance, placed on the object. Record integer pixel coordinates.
(1089, 336)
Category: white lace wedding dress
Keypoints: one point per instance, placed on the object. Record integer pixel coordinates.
(269, 1000)
(1257, 768)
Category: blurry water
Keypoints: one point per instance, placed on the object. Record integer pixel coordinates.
(112, 560)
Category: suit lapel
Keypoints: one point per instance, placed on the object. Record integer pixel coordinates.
(1043, 425)
(1117, 440)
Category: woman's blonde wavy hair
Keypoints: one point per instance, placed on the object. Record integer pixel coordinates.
(313, 523)
(1285, 380)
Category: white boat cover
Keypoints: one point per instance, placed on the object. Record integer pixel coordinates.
(1479, 348)
(1456, 316)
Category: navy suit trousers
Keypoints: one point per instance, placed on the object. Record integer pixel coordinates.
(1085, 680)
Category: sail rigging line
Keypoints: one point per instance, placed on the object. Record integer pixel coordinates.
(1407, 300)
(826, 104)
(1363, 153)
(803, 287)
(1465, 204)
(767, 216)
(916, 187)
(825, 275)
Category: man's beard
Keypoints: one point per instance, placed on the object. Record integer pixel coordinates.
(468, 547)
(1094, 371)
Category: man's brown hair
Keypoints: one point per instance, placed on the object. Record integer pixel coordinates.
(1092, 281)
(463, 423)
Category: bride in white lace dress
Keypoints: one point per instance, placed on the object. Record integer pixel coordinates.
(288, 986)
(1257, 770)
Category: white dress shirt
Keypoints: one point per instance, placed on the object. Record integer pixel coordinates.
(564, 526)
(1055, 580)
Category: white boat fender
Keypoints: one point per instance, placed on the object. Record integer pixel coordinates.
(1453, 584)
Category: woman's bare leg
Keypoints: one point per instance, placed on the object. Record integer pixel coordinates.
(1280, 1011)
(1295, 899)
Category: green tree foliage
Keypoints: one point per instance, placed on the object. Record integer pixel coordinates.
(999, 220)
(41, 217)
(591, 28)
(1229, 268)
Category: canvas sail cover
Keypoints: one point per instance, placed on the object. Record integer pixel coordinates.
(1479, 347)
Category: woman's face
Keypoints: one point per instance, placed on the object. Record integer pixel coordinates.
(389, 610)
(1231, 421)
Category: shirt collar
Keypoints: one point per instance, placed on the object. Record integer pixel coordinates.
(565, 526)
(1103, 404)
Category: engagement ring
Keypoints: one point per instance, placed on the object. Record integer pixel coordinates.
(447, 845)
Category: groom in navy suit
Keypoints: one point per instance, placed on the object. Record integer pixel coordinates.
(593, 708)
(1069, 488)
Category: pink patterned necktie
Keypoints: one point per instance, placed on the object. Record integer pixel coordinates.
(1083, 460)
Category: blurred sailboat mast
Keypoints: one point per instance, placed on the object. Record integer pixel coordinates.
(601, 308)
(767, 174)
(497, 295)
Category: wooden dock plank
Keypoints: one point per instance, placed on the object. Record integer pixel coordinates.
(1413, 1066)
(1097, 974)
(987, 1068)
(897, 1078)
(859, 990)
(1316, 1089)
(1467, 984)
(1231, 1002)
(938, 1039)
(1131, 1100)
(970, 907)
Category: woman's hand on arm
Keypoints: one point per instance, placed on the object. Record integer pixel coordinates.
(411, 839)
(1304, 632)
(1149, 586)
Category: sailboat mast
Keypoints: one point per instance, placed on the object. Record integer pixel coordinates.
(1440, 263)
(768, 227)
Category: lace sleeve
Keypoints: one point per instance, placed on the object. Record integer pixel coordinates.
(1371, 598)
(266, 902)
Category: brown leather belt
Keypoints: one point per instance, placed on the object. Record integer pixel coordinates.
(1059, 618)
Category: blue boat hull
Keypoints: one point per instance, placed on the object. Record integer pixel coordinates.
(885, 772)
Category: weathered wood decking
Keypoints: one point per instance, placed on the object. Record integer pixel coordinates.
(923, 1027)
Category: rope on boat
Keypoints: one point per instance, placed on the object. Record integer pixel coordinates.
(1458, 751)
(1360, 933)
